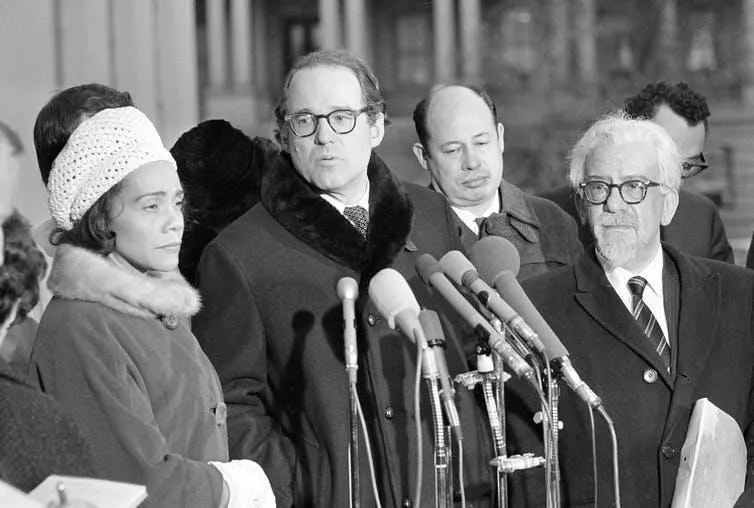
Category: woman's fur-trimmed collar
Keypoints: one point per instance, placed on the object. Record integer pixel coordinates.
(80, 274)
(304, 214)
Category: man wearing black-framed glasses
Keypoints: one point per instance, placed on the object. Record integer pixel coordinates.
(697, 227)
(650, 329)
(272, 319)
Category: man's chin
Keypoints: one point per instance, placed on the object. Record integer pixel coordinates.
(615, 251)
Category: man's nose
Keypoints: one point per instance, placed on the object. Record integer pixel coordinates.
(472, 160)
(614, 200)
(324, 133)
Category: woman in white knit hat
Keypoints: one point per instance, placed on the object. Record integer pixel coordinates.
(114, 345)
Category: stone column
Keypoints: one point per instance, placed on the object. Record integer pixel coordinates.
(259, 72)
(585, 31)
(85, 42)
(217, 46)
(559, 37)
(329, 24)
(747, 31)
(471, 49)
(241, 49)
(444, 40)
(355, 26)
(668, 60)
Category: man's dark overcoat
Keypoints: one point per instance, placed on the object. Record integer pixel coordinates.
(544, 235)
(272, 326)
(713, 357)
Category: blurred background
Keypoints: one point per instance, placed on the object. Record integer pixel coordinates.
(552, 66)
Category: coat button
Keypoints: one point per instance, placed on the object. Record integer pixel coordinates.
(371, 320)
(170, 321)
(389, 413)
(406, 503)
(668, 451)
(650, 376)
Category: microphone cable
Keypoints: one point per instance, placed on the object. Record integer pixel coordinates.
(362, 421)
(594, 455)
(614, 436)
(417, 419)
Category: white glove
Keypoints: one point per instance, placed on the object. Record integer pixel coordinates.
(248, 486)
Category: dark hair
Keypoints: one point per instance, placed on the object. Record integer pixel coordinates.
(370, 87)
(13, 139)
(679, 97)
(22, 268)
(421, 109)
(221, 171)
(58, 118)
(92, 232)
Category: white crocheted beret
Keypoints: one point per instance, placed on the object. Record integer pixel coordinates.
(101, 152)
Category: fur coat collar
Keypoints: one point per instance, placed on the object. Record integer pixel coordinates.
(80, 274)
(304, 214)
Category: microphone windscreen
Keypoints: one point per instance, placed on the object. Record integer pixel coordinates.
(514, 294)
(455, 264)
(392, 295)
(347, 288)
(426, 266)
(430, 322)
(493, 254)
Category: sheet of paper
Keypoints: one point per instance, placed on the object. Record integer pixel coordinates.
(99, 493)
(712, 471)
(11, 496)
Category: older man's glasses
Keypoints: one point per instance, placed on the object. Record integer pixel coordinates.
(694, 165)
(342, 121)
(632, 192)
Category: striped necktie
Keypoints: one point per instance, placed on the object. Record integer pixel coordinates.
(647, 320)
(359, 217)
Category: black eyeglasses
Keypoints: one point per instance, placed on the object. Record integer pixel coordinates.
(342, 121)
(694, 165)
(632, 192)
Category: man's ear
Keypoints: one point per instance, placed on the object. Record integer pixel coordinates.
(421, 155)
(500, 136)
(669, 206)
(581, 206)
(377, 129)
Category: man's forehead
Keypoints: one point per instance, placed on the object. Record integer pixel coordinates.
(324, 86)
(617, 160)
(688, 138)
(458, 109)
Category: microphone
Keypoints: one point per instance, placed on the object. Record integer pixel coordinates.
(394, 299)
(348, 290)
(430, 322)
(508, 286)
(431, 273)
(462, 272)
(502, 251)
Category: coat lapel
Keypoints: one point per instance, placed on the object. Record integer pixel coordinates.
(699, 295)
(599, 299)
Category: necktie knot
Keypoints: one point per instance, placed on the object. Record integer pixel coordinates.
(359, 217)
(480, 222)
(636, 285)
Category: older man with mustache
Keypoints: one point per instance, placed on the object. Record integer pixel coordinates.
(650, 329)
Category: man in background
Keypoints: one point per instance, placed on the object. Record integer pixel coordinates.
(461, 144)
(697, 228)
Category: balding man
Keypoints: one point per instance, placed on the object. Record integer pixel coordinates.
(461, 145)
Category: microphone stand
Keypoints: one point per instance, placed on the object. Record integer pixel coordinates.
(353, 443)
(490, 371)
(442, 451)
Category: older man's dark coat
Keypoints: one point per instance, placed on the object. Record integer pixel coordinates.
(545, 236)
(272, 326)
(714, 358)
